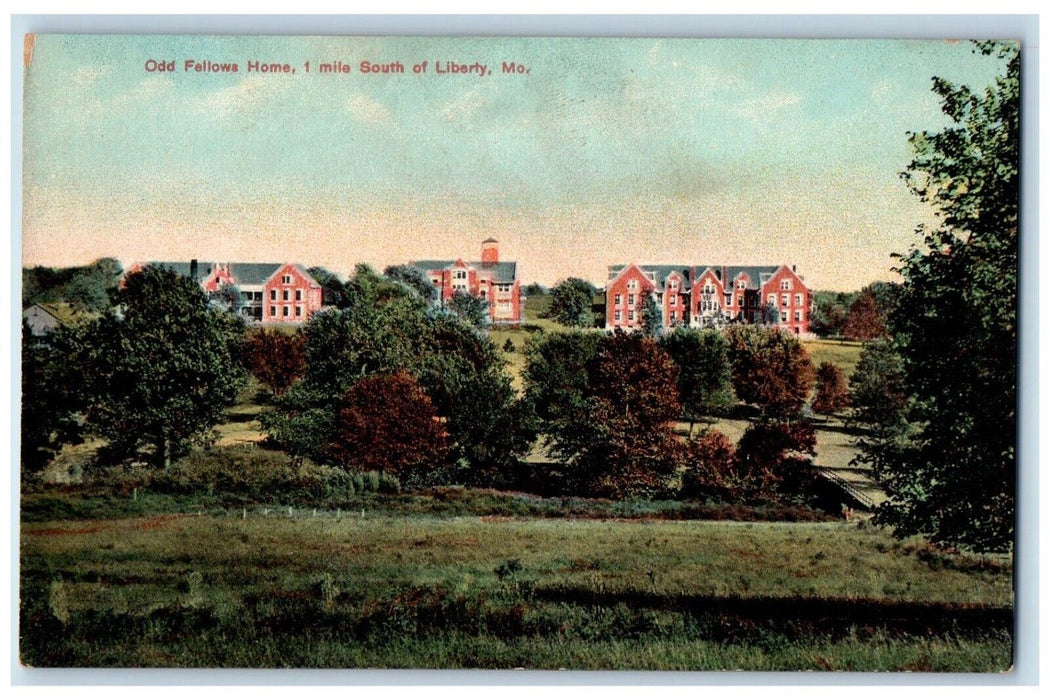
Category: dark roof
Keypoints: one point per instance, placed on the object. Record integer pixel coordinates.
(758, 274)
(243, 273)
(502, 272)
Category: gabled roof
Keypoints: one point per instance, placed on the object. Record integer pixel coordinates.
(255, 274)
(501, 272)
(757, 274)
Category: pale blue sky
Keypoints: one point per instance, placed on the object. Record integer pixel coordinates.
(608, 151)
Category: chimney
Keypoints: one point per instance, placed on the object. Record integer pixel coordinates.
(793, 269)
(193, 269)
(489, 251)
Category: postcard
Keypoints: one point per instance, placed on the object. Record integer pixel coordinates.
(518, 353)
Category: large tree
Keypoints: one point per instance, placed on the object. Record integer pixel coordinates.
(274, 357)
(161, 374)
(704, 374)
(831, 395)
(864, 321)
(770, 367)
(571, 302)
(956, 322)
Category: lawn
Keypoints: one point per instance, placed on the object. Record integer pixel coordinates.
(844, 354)
(439, 592)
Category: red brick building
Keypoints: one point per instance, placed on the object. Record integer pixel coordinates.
(707, 295)
(489, 279)
(270, 292)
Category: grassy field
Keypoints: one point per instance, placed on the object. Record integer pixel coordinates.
(844, 354)
(429, 592)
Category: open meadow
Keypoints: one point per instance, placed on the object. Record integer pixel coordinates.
(365, 590)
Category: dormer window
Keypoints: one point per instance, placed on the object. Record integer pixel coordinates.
(785, 285)
(741, 284)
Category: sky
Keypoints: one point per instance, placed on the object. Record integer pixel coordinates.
(606, 151)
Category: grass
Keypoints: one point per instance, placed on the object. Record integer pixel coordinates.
(844, 354)
(439, 592)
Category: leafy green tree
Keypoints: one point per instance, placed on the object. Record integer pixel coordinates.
(162, 374)
(832, 395)
(953, 480)
(89, 288)
(704, 374)
(571, 302)
(830, 310)
(228, 297)
(770, 369)
(416, 279)
(333, 290)
(878, 389)
(470, 309)
(652, 319)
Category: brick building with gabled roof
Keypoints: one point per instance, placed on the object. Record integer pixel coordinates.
(270, 292)
(707, 295)
(489, 279)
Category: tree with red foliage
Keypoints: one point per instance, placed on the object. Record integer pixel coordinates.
(387, 423)
(626, 444)
(775, 455)
(770, 369)
(832, 395)
(275, 358)
(710, 462)
(864, 321)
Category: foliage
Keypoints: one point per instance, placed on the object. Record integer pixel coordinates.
(52, 395)
(88, 288)
(830, 311)
(470, 309)
(770, 369)
(333, 291)
(606, 405)
(571, 302)
(710, 461)
(651, 318)
(275, 358)
(864, 321)
(228, 298)
(534, 289)
(386, 422)
(704, 374)
(878, 392)
(832, 395)
(163, 373)
(775, 455)
(386, 328)
(953, 479)
(415, 279)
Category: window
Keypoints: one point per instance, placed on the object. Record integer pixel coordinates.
(709, 288)
(630, 300)
(740, 300)
(772, 299)
(729, 299)
(632, 284)
(783, 316)
(741, 284)
(619, 299)
(298, 311)
(285, 311)
(298, 295)
(674, 315)
(673, 299)
(798, 300)
(460, 274)
(286, 279)
(286, 296)
(273, 295)
(798, 316)
(630, 315)
(784, 299)
(674, 284)
(785, 285)
(273, 310)
(617, 315)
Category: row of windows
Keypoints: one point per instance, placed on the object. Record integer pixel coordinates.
(286, 311)
(285, 295)
(785, 299)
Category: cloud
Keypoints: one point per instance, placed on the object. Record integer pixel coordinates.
(464, 107)
(365, 109)
(765, 105)
(243, 98)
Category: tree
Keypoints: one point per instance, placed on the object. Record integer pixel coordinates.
(275, 358)
(571, 302)
(864, 321)
(228, 297)
(832, 395)
(332, 288)
(652, 319)
(607, 406)
(830, 310)
(775, 455)
(704, 375)
(953, 478)
(470, 309)
(770, 368)
(878, 390)
(386, 422)
(415, 279)
(162, 374)
(710, 472)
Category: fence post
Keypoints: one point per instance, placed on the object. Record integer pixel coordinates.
(244, 513)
